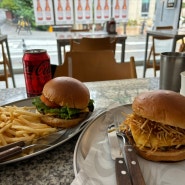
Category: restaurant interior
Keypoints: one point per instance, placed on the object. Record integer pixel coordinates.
(114, 54)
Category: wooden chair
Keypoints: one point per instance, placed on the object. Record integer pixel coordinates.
(95, 66)
(61, 70)
(86, 44)
(5, 66)
(153, 64)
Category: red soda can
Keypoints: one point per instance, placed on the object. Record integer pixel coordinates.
(37, 71)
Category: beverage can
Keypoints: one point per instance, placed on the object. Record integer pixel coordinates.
(37, 71)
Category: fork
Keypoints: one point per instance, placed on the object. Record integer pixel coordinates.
(130, 157)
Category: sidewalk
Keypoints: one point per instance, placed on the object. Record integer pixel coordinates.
(10, 30)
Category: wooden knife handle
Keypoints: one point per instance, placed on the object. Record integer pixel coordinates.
(122, 174)
(10, 153)
(133, 166)
(6, 147)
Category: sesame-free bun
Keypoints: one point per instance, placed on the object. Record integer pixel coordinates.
(163, 106)
(63, 123)
(67, 91)
(171, 155)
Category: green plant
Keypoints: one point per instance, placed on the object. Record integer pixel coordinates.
(9, 4)
(132, 23)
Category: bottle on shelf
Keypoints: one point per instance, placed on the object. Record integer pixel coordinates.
(106, 10)
(39, 11)
(68, 10)
(124, 9)
(87, 10)
(117, 9)
(47, 11)
(99, 10)
(60, 14)
(79, 10)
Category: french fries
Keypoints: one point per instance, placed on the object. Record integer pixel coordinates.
(21, 124)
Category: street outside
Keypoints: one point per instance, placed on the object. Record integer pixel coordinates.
(135, 44)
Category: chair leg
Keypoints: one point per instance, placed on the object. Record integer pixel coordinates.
(6, 73)
(154, 66)
(154, 63)
(149, 56)
(182, 46)
(6, 67)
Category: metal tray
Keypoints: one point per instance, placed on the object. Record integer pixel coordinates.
(71, 132)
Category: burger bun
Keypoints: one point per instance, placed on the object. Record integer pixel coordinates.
(163, 106)
(67, 91)
(172, 155)
(63, 123)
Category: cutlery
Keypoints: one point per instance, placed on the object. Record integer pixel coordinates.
(122, 174)
(131, 160)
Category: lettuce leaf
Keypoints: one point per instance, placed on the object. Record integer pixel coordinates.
(59, 112)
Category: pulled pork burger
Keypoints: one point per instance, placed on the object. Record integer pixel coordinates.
(156, 128)
(64, 102)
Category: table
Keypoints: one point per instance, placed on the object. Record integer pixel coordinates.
(63, 39)
(174, 34)
(56, 166)
(4, 40)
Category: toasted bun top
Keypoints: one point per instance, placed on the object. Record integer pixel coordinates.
(163, 106)
(67, 91)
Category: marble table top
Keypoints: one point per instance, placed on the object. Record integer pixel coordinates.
(56, 166)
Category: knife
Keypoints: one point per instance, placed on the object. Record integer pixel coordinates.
(131, 160)
(16, 148)
(122, 174)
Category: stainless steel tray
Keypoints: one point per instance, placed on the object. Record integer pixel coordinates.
(71, 132)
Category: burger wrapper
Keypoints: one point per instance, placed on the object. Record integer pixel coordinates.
(98, 168)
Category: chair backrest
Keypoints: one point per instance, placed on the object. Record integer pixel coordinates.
(97, 66)
(163, 28)
(61, 70)
(86, 44)
(160, 43)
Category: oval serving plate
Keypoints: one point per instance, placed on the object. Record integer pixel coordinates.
(71, 132)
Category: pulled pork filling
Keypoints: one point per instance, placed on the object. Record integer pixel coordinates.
(153, 136)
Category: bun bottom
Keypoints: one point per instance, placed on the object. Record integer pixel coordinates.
(63, 123)
(157, 156)
(168, 156)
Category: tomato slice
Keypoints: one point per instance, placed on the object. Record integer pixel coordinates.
(47, 102)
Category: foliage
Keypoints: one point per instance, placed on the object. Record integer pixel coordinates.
(132, 22)
(19, 8)
(8, 4)
(22, 8)
(25, 9)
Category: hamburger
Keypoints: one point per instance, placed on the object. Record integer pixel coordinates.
(156, 128)
(64, 102)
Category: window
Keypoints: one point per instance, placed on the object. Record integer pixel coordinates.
(145, 8)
